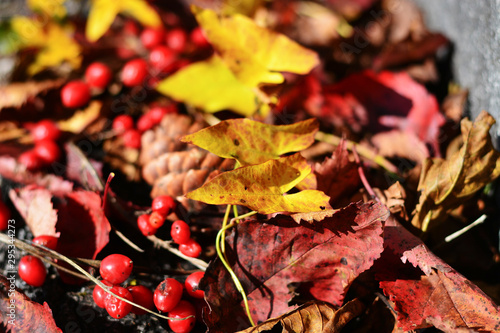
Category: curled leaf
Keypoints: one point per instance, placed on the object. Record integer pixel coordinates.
(446, 184)
(262, 187)
(253, 142)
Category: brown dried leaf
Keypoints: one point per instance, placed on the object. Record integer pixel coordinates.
(312, 317)
(313, 216)
(397, 143)
(16, 94)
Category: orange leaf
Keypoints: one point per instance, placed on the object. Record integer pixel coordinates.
(253, 142)
(263, 187)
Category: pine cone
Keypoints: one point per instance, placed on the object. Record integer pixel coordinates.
(174, 167)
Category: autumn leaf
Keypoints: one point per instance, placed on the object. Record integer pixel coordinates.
(29, 316)
(36, 208)
(103, 13)
(54, 41)
(211, 86)
(446, 184)
(15, 95)
(48, 8)
(263, 187)
(254, 54)
(81, 118)
(269, 257)
(429, 292)
(312, 317)
(253, 142)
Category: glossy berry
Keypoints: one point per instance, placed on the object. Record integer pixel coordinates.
(156, 219)
(132, 138)
(115, 307)
(122, 123)
(180, 232)
(142, 296)
(156, 113)
(163, 204)
(162, 58)
(198, 38)
(47, 241)
(75, 94)
(32, 271)
(144, 226)
(31, 160)
(145, 122)
(99, 294)
(116, 268)
(176, 39)
(98, 75)
(48, 151)
(4, 216)
(151, 37)
(168, 294)
(183, 310)
(191, 248)
(45, 130)
(134, 72)
(191, 284)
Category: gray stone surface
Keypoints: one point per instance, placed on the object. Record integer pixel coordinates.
(474, 28)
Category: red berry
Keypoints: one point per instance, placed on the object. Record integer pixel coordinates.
(132, 138)
(45, 130)
(4, 216)
(146, 228)
(130, 28)
(151, 37)
(98, 75)
(115, 307)
(145, 122)
(75, 94)
(48, 151)
(47, 241)
(168, 294)
(30, 160)
(99, 294)
(191, 248)
(122, 123)
(116, 268)
(176, 39)
(183, 310)
(134, 72)
(180, 232)
(142, 296)
(161, 58)
(32, 271)
(198, 38)
(191, 284)
(163, 204)
(156, 113)
(156, 219)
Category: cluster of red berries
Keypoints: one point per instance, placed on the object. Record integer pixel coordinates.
(31, 269)
(46, 151)
(4, 215)
(124, 124)
(180, 232)
(116, 268)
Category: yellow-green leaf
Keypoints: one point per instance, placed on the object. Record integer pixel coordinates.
(48, 8)
(103, 12)
(254, 54)
(211, 86)
(448, 183)
(253, 142)
(263, 188)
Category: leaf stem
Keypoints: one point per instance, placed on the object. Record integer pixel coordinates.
(362, 150)
(236, 281)
(166, 245)
(223, 230)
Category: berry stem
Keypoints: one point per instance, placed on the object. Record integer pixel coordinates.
(166, 245)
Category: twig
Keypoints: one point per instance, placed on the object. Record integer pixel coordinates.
(462, 231)
(362, 176)
(166, 245)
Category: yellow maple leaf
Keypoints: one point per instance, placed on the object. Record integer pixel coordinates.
(210, 85)
(55, 43)
(253, 53)
(262, 187)
(49, 8)
(253, 142)
(103, 13)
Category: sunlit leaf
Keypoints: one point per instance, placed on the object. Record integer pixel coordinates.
(211, 86)
(263, 187)
(49, 8)
(81, 119)
(103, 13)
(253, 142)
(16, 94)
(446, 184)
(254, 54)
